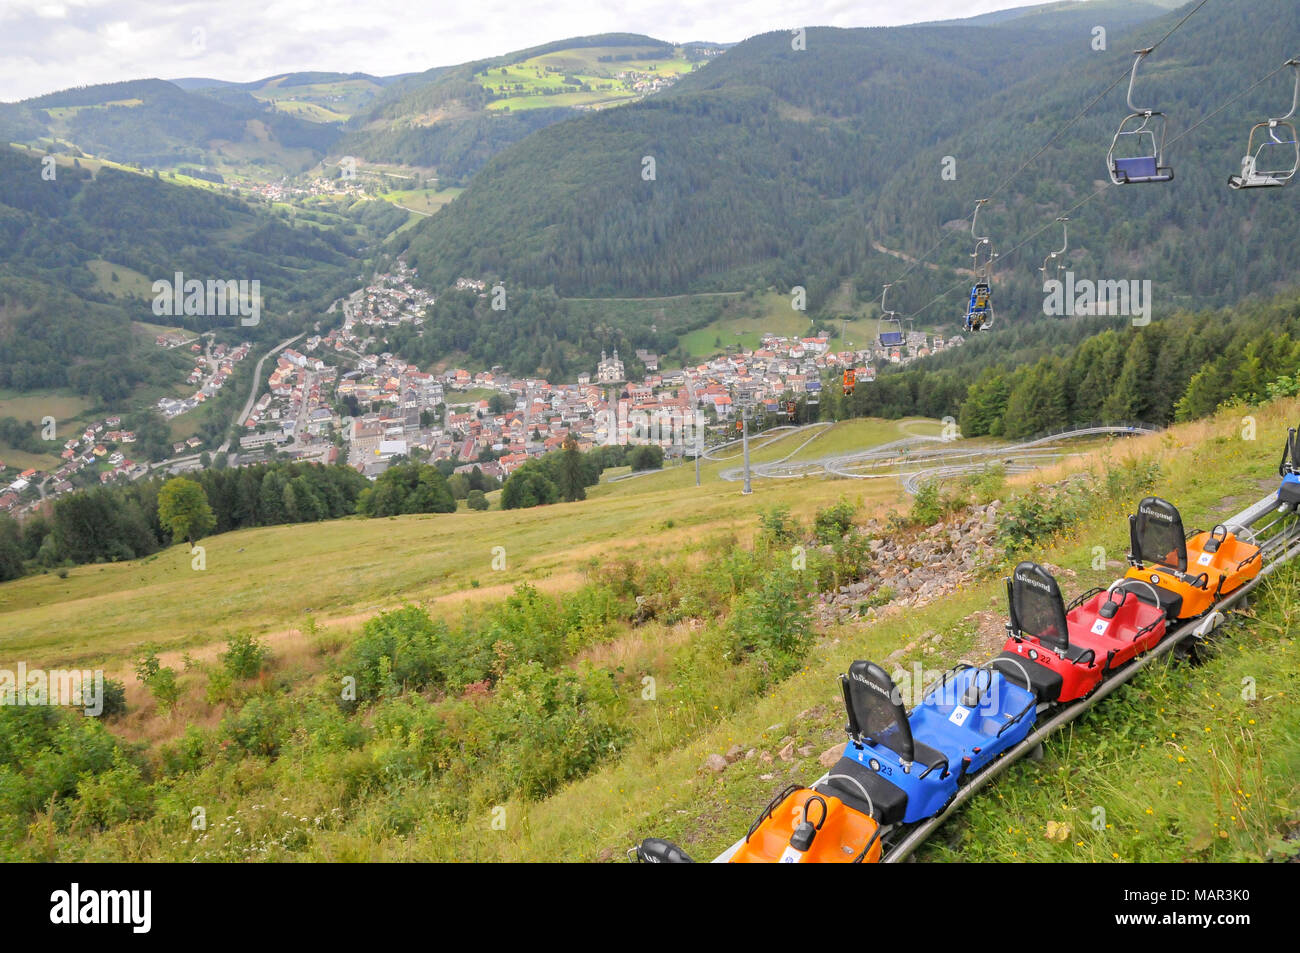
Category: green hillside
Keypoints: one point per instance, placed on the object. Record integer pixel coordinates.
(64, 322)
(602, 674)
(779, 168)
(454, 119)
(155, 124)
(315, 97)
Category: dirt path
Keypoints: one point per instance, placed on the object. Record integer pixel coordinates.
(911, 259)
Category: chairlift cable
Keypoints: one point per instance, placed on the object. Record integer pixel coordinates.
(1207, 118)
(1119, 79)
(1153, 46)
(1105, 187)
(1016, 248)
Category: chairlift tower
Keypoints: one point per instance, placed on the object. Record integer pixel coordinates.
(745, 398)
(699, 452)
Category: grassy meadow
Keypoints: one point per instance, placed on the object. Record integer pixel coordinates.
(562, 707)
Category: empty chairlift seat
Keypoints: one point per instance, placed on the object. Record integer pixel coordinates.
(1275, 160)
(1140, 169)
(1184, 576)
(1137, 150)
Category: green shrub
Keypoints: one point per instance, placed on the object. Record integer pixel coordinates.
(852, 558)
(410, 740)
(221, 687)
(397, 651)
(245, 657)
(158, 678)
(190, 752)
(112, 796)
(989, 483)
(927, 508)
(113, 699)
(881, 597)
(771, 623)
(588, 617)
(549, 727)
(1037, 515)
(776, 526)
(527, 626)
(259, 727)
(832, 522)
(44, 753)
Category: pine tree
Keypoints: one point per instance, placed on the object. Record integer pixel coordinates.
(570, 472)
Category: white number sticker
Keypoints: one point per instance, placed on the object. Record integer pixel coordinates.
(1205, 559)
(959, 716)
(1100, 626)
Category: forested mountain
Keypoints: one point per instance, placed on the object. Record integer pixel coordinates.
(157, 124)
(61, 326)
(772, 167)
(779, 166)
(285, 124)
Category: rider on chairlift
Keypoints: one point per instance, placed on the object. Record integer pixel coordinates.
(979, 312)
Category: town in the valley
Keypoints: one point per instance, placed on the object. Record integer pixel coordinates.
(331, 399)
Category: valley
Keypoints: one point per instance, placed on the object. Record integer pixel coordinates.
(521, 456)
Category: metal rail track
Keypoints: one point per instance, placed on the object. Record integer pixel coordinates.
(1279, 536)
(948, 460)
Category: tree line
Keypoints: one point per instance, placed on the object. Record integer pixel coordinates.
(1049, 375)
(565, 476)
(108, 524)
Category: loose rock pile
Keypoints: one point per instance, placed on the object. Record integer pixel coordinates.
(937, 561)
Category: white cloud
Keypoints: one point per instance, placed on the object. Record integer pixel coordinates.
(47, 45)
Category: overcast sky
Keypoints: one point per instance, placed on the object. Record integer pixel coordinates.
(47, 45)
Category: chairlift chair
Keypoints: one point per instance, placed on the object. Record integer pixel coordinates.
(1276, 159)
(1143, 133)
(889, 329)
(1059, 255)
(979, 311)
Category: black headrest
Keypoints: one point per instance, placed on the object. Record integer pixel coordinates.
(1156, 534)
(1037, 607)
(1289, 462)
(875, 709)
